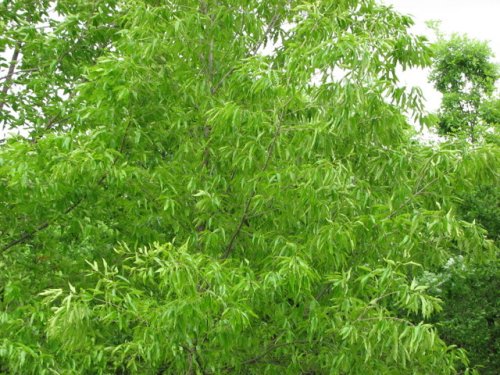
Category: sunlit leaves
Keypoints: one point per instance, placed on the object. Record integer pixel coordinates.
(268, 214)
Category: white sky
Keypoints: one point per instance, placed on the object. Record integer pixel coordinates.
(479, 19)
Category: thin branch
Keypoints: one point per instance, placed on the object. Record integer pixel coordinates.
(326, 289)
(26, 236)
(214, 87)
(253, 51)
(416, 190)
(8, 78)
(19, 71)
(386, 318)
(273, 348)
(211, 60)
(50, 124)
(409, 199)
(372, 304)
(230, 245)
(246, 209)
(210, 76)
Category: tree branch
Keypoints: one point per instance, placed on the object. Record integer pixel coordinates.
(28, 235)
(386, 318)
(19, 71)
(10, 74)
(416, 190)
(214, 87)
(409, 199)
(272, 348)
(253, 51)
(246, 209)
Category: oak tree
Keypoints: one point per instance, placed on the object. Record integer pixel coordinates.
(222, 187)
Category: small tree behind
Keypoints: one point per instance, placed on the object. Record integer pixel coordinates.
(464, 73)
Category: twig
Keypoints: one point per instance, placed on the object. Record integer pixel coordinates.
(253, 51)
(246, 209)
(10, 73)
(230, 245)
(274, 347)
(386, 318)
(373, 303)
(409, 199)
(416, 190)
(214, 87)
(28, 235)
(210, 73)
(20, 71)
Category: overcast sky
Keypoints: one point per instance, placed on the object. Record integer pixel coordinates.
(479, 19)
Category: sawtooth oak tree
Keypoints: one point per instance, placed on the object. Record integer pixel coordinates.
(222, 187)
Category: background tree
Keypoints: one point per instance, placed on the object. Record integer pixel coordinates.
(463, 71)
(471, 310)
(206, 208)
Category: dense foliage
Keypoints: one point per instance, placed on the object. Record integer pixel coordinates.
(470, 317)
(490, 111)
(465, 74)
(481, 205)
(223, 187)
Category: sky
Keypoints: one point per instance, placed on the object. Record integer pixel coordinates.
(479, 19)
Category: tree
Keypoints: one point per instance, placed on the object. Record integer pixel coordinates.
(204, 207)
(469, 318)
(464, 73)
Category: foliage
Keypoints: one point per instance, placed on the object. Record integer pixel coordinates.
(236, 215)
(464, 73)
(490, 111)
(470, 317)
(49, 44)
(169, 309)
(482, 205)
